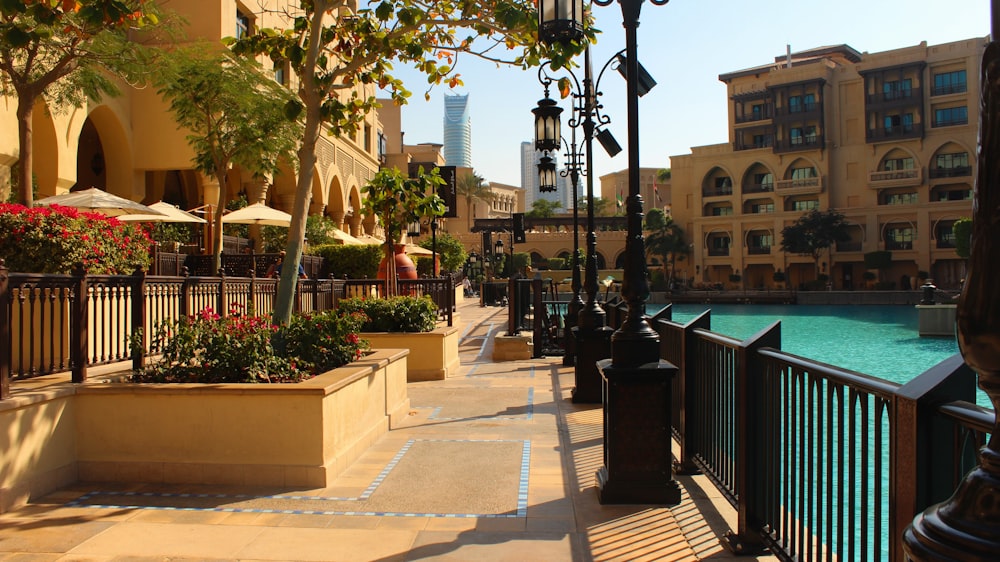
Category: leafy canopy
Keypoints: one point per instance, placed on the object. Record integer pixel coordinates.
(814, 232)
(543, 209)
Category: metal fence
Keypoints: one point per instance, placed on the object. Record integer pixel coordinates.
(820, 463)
(58, 323)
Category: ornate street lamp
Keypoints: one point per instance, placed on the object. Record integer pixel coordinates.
(560, 20)
(546, 174)
(634, 374)
(547, 126)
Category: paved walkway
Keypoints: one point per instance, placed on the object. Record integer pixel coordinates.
(493, 464)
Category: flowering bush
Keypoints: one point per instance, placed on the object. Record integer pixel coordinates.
(393, 314)
(207, 348)
(54, 239)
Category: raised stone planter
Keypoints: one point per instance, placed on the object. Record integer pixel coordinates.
(433, 355)
(299, 435)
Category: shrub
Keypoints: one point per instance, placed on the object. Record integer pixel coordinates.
(451, 252)
(55, 239)
(393, 314)
(557, 264)
(207, 348)
(356, 262)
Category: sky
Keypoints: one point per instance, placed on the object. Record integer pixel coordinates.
(685, 45)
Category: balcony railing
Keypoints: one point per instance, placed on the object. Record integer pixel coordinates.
(949, 89)
(951, 122)
(758, 187)
(895, 178)
(717, 191)
(752, 117)
(955, 172)
(898, 245)
(800, 185)
(783, 145)
(912, 131)
(758, 250)
(718, 251)
(849, 246)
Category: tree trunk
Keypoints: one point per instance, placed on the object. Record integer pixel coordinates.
(25, 105)
(220, 174)
(311, 99)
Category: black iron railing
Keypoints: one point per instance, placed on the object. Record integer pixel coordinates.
(819, 462)
(47, 327)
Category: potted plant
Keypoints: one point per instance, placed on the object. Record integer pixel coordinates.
(397, 200)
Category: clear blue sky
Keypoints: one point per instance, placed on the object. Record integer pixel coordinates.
(684, 45)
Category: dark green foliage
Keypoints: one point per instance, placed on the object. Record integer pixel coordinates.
(356, 262)
(543, 209)
(393, 314)
(558, 263)
(451, 252)
(963, 237)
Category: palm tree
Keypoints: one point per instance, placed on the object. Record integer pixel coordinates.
(666, 239)
(474, 189)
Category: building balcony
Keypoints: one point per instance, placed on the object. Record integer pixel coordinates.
(800, 186)
(899, 245)
(758, 250)
(895, 178)
(766, 141)
(950, 89)
(758, 188)
(765, 115)
(717, 191)
(782, 146)
(901, 98)
(718, 252)
(805, 112)
(878, 134)
(849, 246)
(956, 172)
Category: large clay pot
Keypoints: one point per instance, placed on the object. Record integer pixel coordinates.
(405, 269)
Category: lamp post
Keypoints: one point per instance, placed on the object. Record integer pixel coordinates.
(635, 382)
(590, 337)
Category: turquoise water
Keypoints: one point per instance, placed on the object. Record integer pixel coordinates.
(880, 341)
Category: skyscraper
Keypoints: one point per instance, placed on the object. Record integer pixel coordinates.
(529, 177)
(457, 131)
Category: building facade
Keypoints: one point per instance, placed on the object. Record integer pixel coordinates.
(529, 178)
(887, 139)
(655, 191)
(130, 145)
(457, 131)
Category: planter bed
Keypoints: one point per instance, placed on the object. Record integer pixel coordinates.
(300, 435)
(433, 355)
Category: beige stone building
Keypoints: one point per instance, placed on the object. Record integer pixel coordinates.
(888, 139)
(130, 145)
(655, 192)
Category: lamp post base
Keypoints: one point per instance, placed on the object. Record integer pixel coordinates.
(637, 458)
(592, 345)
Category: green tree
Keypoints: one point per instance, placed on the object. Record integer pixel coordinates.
(338, 60)
(451, 252)
(235, 115)
(67, 51)
(397, 200)
(814, 232)
(602, 206)
(665, 239)
(962, 229)
(543, 209)
(472, 187)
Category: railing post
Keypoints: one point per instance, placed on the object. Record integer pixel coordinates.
(185, 303)
(220, 304)
(5, 343)
(688, 369)
(139, 318)
(751, 445)
(512, 328)
(315, 293)
(78, 333)
(450, 284)
(538, 317)
(918, 476)
(252, 296)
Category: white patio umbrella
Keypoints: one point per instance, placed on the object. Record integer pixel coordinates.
(346, 239)
(98, 201)
(169, 213)
(258, 213)
(414, 250)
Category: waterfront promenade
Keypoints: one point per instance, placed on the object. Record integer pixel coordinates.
(493, 464)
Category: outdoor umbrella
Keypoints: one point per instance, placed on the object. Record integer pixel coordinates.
(98, 201)
(346, 239)
(415, 250)
(258, 213)
(169, 213)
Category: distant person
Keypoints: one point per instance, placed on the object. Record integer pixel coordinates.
(467, 287)
(275, 270)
